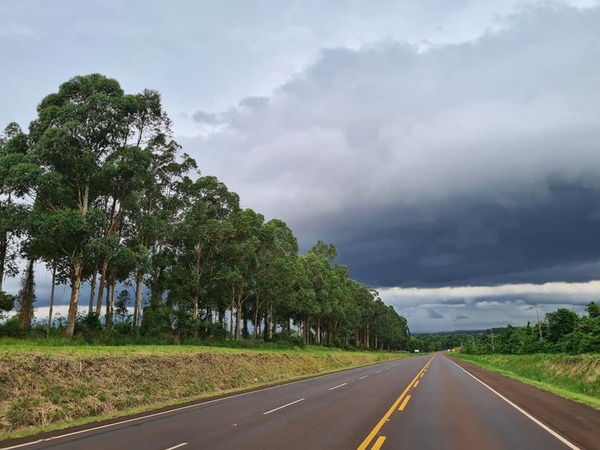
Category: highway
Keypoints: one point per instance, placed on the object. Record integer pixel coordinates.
(426, 402)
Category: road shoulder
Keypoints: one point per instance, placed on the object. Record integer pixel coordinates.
(578, 423)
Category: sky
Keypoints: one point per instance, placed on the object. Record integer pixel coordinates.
(449, 150)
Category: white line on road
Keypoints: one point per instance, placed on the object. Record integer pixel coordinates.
(284, 406)
(522, 411)
(379, 371)
(363, 377)
(177, 446)
(338, 386)
(169, 411)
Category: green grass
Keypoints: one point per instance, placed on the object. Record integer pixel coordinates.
(54, 386)
(575, 377)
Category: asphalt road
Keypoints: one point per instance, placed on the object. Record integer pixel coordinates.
(418, 403)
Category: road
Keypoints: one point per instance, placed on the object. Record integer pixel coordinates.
(427, 402)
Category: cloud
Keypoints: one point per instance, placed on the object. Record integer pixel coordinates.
(482, 307)
(206, 118)
(468, 163)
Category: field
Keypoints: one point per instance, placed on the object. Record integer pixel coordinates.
(49, 387)
(576, 377)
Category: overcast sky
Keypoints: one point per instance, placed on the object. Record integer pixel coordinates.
(450, 150)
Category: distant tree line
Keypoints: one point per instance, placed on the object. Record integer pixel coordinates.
(99, 192)
(562, 331)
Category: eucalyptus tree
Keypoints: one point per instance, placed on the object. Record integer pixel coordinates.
(17, 175)
(273, 275)
(196, 243)
(76, 132)
(241, 248)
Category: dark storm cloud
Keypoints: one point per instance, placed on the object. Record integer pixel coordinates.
(475, 163)
(554, 240)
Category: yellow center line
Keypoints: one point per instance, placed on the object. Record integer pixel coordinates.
(403, 405)
(386, 416)
(378, 443)
(416, 383)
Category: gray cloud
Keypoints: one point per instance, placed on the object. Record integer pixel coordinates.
(435, 144)
(206, 118)
(465, 163)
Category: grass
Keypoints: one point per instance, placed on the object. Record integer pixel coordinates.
(575, 377)
(54, 386)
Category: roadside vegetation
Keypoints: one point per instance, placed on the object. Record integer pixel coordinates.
(49, 387)
(576, 377)
(562, 331)
(98, 192)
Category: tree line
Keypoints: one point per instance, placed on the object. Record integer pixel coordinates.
(562, 331)
(99, 192)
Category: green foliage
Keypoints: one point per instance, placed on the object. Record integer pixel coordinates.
(563, 332)
(99, 191)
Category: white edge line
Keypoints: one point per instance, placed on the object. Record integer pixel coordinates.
(363, 377)
(338, 386)
(521, 410)
(162, 413)
(177, 446)
(283, 406)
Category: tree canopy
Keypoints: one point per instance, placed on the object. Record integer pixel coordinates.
(101, 194)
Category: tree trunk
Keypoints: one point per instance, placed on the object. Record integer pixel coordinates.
(3, 250)
(92, 292)
(319, 330)
(256, 330)
(51, 300)
(26, 297)
(231, 312)
(76, 272)
(238, 318)
(101, 286)
(139, 293)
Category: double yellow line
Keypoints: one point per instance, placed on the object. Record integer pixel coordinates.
(390, 411)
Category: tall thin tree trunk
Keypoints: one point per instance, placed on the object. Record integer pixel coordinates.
(231, 312)
(92, 292)
(238, 318)
(3, 251)
(319, 330)
(256, 330)
(101, 286)
(27, 297)
(139, 294)
(51, 299)
(76, 272)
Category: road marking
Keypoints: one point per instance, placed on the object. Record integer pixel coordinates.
(177, 446)
(403, 405)
(338, 386)
(390, 411)
(416, 383)
(363, 377)
(378, 443)
(170, 411)
(518, 408)
(379, 371)
(284, 406)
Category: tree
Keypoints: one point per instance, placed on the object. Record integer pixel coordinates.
(592, 309)
(16, 180)
(560, 323)
(26, 297)
(76, 132)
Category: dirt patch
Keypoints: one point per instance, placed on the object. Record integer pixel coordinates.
(578, 423)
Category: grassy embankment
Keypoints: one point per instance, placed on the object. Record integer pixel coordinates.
(51, 387)
(576, 377)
